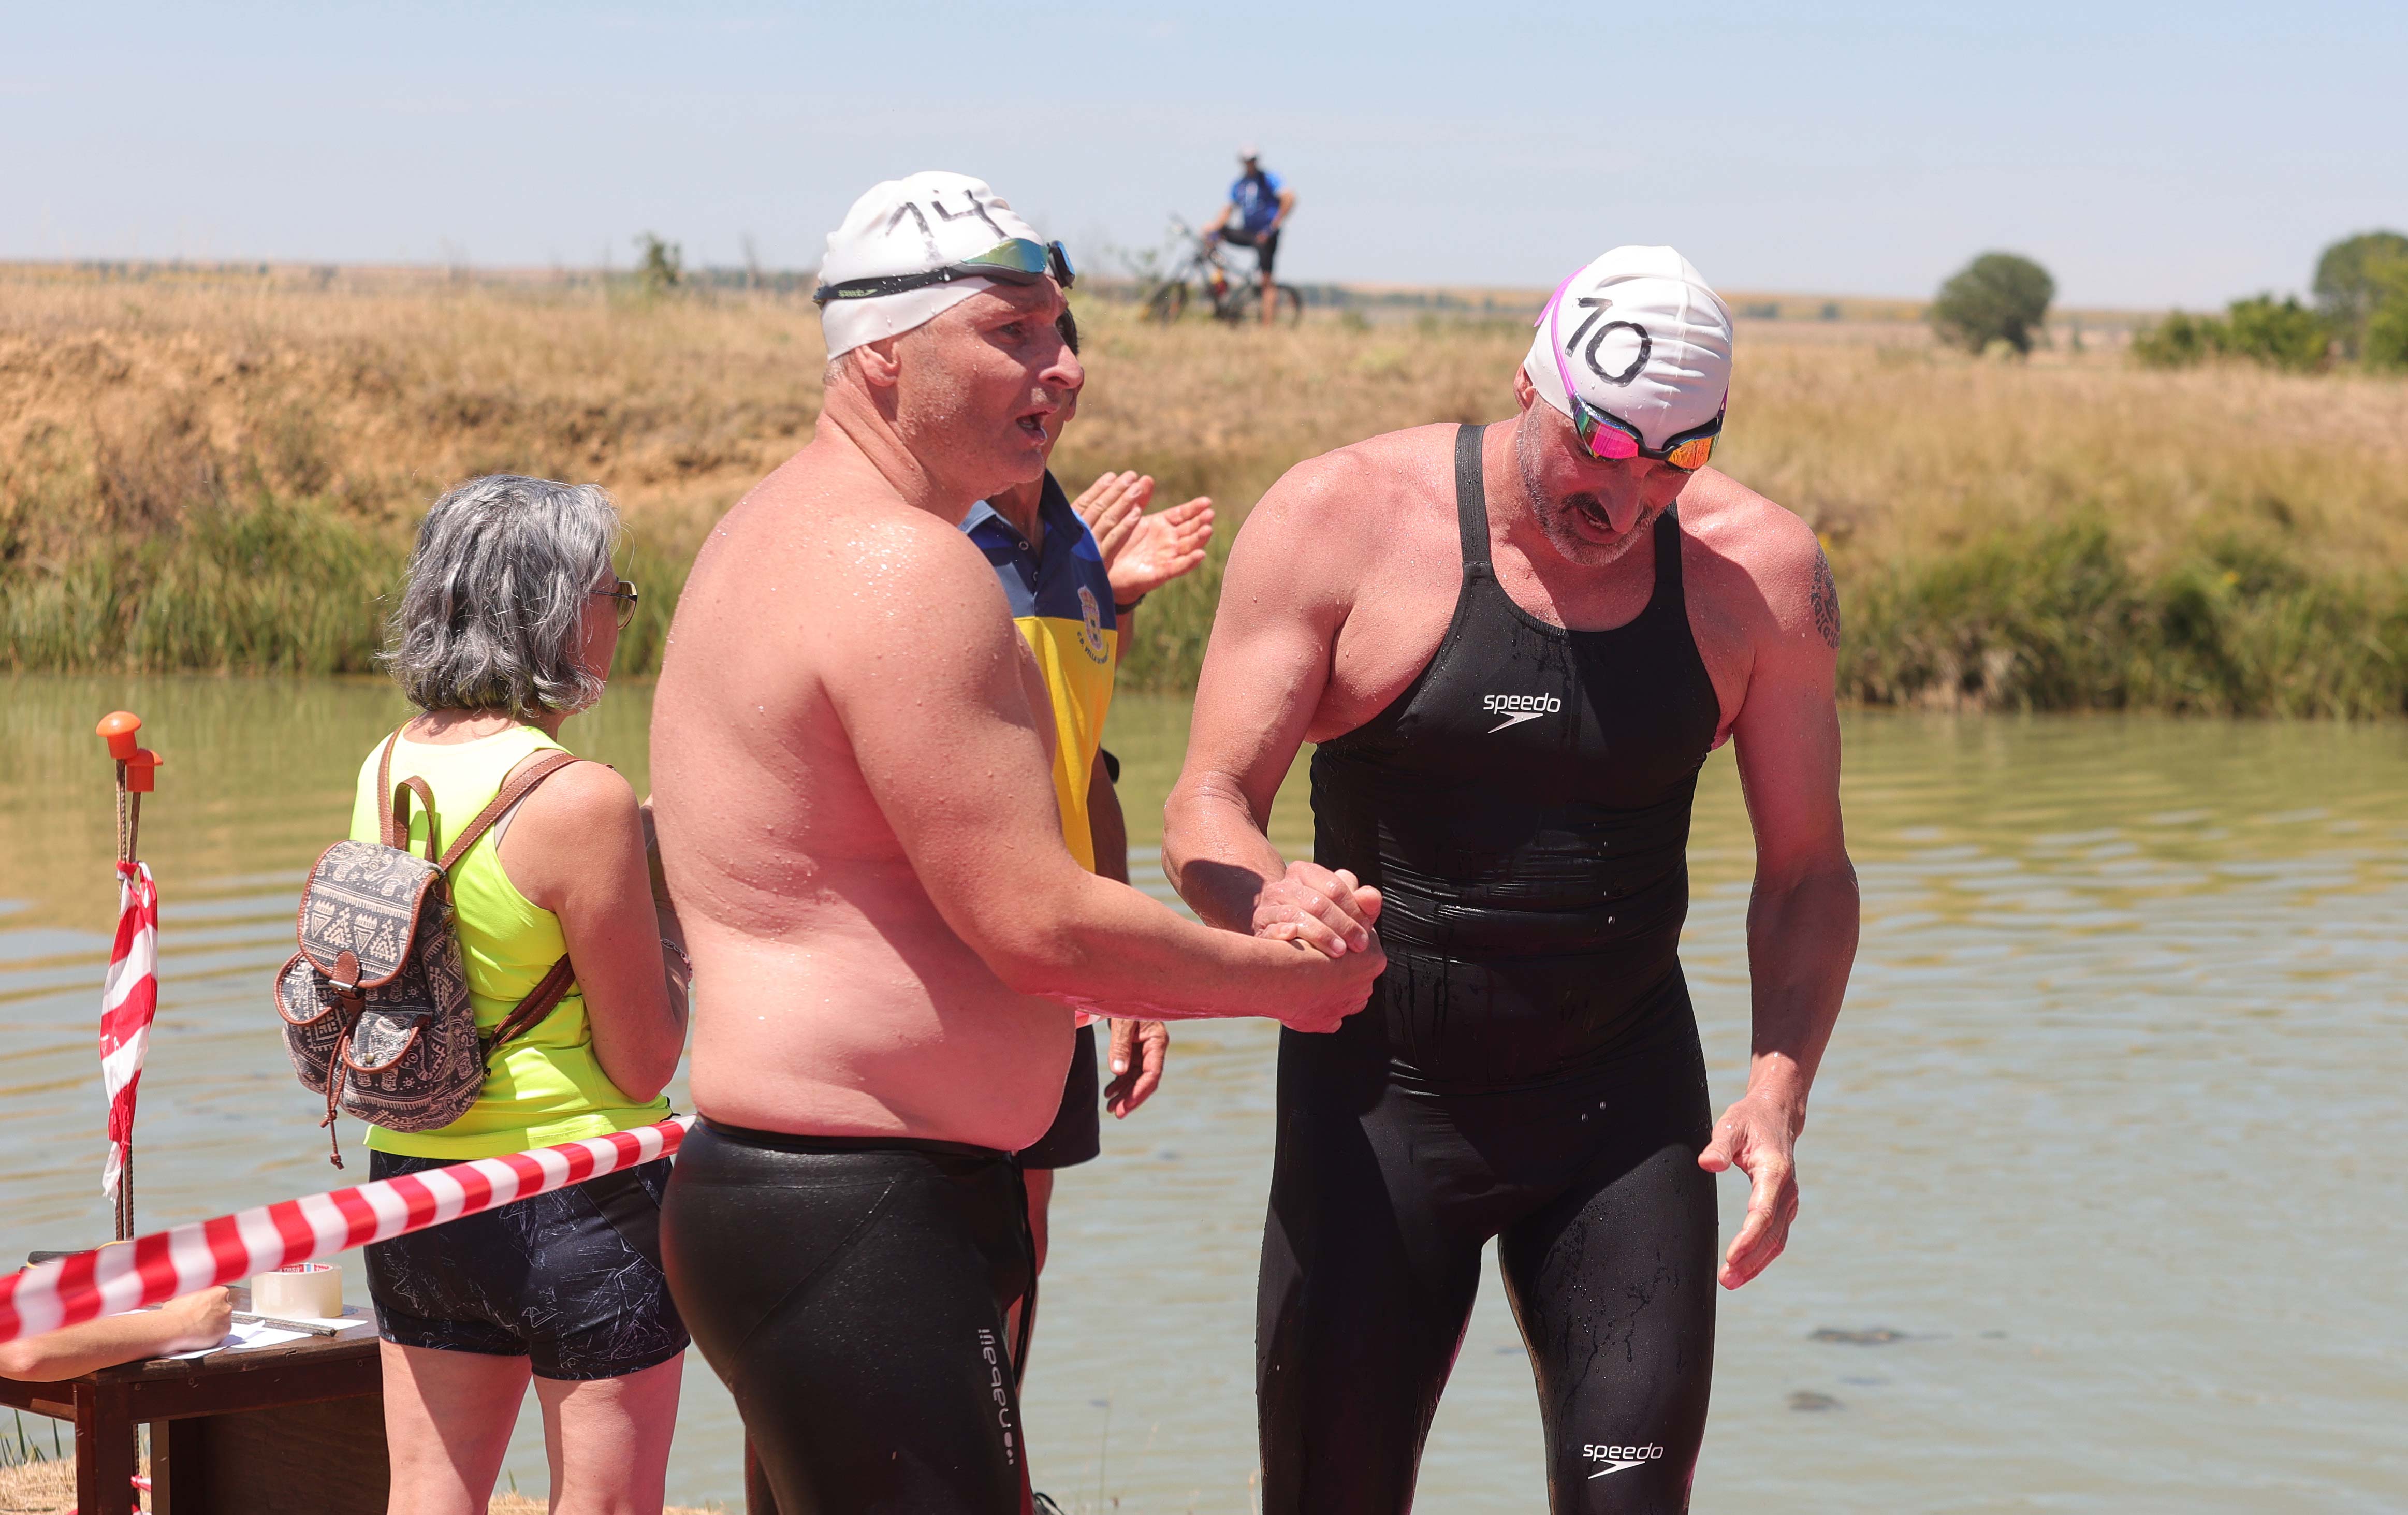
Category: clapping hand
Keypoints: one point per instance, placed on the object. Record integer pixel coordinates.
(1142, 552)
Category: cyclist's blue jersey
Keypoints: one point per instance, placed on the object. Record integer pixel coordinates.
(1256, 198)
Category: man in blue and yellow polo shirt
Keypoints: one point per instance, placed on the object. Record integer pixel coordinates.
(1072, 595)
(1061, 596)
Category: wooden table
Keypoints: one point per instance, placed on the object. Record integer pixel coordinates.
(296, 1429)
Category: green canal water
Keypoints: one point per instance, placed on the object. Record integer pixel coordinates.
(2101, 1159)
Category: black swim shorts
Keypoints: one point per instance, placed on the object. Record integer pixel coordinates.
(1265, 246)
(1077, 1134)
(852, 1293)
(571, 1280)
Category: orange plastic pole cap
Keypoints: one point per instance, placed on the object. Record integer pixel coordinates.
(142, 771)
(117, 728)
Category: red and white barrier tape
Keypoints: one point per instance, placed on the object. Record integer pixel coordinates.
(158, 1267)
(129, 997)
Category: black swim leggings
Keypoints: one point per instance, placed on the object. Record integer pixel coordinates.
(850, 1294)
(1382, 1198)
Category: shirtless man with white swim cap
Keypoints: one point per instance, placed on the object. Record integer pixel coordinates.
(858, 823)
(1516, 645)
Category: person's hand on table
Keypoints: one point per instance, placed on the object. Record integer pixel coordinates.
(198, 1319)
(1138, 1051)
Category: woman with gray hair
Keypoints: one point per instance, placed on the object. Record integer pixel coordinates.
(507, 628)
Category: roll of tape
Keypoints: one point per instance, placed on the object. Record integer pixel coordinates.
(311, 1289)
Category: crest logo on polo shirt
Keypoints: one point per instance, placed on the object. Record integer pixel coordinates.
(1091, 634)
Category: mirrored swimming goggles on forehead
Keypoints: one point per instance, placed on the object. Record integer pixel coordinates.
(1609, 437)
(1018, 261)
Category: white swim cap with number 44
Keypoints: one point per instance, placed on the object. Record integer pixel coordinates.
(908, 226)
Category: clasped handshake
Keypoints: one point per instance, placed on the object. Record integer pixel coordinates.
(1333, 913)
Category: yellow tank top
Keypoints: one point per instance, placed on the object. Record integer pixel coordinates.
(546, 1086)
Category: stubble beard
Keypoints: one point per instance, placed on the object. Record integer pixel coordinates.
(1554, 517)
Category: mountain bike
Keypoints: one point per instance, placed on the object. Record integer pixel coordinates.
(1236, 297)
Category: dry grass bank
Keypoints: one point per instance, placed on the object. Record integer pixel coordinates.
(212, 473)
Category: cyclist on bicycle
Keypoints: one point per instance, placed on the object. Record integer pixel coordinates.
(1258, 206)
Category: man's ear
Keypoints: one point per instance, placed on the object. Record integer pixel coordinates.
(1525, 392)
(878, 365)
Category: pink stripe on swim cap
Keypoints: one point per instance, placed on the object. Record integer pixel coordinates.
(1644, 337)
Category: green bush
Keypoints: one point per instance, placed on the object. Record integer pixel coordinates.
(2282, 334)
(2182, 340)
(1998, 297)
(2384, 344)
(2057, 619)
(268, 585)
(2386, 336)
(2024, 621)
(2354, 278)
(660, 266)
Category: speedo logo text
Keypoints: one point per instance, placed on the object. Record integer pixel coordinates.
(1619, 1459)
(1518, 709)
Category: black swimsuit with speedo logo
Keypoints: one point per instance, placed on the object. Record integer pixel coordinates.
(1527, 1067)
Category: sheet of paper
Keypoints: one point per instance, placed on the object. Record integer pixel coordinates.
(354, 1318)
(246, 1334)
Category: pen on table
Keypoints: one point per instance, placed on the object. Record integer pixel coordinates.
(282, 1324)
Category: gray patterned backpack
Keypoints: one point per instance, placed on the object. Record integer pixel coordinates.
(375, 1004)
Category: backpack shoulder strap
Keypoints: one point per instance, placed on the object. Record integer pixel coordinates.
(541, 1002)
(515, 788)
(385, 794)
(393, 803)
(556, 984)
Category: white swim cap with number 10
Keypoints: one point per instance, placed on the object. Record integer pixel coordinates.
(1645, 339)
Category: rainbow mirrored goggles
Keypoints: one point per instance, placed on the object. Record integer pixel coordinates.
(1608, 436)
(1018, 261)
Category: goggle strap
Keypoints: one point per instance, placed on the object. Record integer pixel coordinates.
(1056, 264)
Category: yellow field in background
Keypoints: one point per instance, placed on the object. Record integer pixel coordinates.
(129, 406)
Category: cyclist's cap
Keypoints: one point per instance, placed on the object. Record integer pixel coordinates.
(1645, 339)
(1248, 153)
(911, 225)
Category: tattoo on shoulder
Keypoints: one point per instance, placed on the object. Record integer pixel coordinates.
(1825, 600)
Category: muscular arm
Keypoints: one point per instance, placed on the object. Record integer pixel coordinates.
(933, 691)
(1802, 915)
(1264, 671)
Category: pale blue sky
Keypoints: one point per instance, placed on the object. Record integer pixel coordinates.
(2146, 153)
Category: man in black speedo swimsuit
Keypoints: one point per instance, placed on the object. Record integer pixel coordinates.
(1516, 645)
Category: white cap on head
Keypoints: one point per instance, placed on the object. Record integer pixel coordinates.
(911, 225)
(1248, 153)
(1643, 338)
